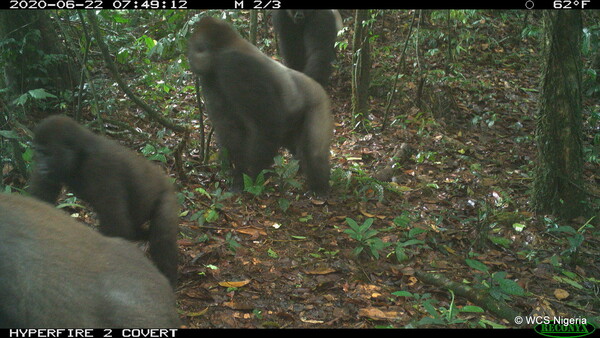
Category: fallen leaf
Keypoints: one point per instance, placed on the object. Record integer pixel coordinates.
(198, 293)
(377, 314)
(185, 242)
(561, 294)
(196, 314)
(367, 214)
(320, 271)
(234, 284)
(241, 306)
(311, 321)
(254, 232)
(317, 202)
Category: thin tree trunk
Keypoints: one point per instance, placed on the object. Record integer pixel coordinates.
(361, 65)
(253, 26)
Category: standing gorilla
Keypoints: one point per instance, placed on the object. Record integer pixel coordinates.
(307, 40)
(124, 189)
(258, 105)
(58, 273)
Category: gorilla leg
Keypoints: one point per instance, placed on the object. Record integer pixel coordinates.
(319, 44)
(44, 188)
(290, 37)
(319, 66)
(312, 148)
(233, 140)
(163, 238)
(110, 202)
(252, 153)
(317, 173)
(262, 146)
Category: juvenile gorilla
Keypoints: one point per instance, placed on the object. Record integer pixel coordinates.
(307, 40)
(258, 105)
(58, 273)
(124, 189)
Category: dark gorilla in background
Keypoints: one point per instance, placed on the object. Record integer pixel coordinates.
(124, 189)
(307, 40)
(58, 273)
(258, 105)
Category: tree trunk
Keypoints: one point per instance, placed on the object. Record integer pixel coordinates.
(361, 65)
(253, 27)
(558, 185)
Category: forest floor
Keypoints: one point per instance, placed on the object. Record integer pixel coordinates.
(461, 194)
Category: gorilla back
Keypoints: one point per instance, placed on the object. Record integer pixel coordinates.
(258, 105)
(57, 273)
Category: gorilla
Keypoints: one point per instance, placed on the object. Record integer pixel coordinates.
(124, 189)
(257, 105)
(307, 40)
(56, 272)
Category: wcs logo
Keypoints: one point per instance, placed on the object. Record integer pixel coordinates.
(561, 330)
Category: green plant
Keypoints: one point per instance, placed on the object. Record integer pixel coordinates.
(575, 238)
(342, 181)
(324, 253)
(400, 249)
(283, 204)
(487, 118)
(439, 315)
(429, 156)
(367, 188)
(232, 244)
(212, 213)
(365, 236)
(403, 221)
(272, 253)
(285, 173)
(255, 187)
(498, 286)
(156, 154)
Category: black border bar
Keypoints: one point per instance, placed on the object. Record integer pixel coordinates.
(301, 4)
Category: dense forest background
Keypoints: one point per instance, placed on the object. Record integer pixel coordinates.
(437, 215)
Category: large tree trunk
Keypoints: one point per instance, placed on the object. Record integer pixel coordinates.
(558, 185)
